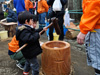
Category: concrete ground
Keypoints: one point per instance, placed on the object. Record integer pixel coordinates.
(78, 60)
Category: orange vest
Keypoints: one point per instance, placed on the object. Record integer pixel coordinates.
(91, 14)
(13, 45)
(42, 6)
(28, 4)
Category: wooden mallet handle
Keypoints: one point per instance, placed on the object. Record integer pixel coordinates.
(21, 47)
(46, 27)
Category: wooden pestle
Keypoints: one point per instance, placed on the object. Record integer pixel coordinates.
(56, 26)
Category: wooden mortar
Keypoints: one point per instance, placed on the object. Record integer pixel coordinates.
(56, 58)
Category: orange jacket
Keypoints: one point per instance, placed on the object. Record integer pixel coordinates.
(13, 45)
(90, 19)
(42, 6)
(28, 4)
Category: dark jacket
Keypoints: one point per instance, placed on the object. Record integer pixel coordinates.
(26, 34)
(54, 14)
(12, 14)
(1, 15)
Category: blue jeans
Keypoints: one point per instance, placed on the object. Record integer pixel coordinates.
(32, 64)
(42, 18)
(31, 11)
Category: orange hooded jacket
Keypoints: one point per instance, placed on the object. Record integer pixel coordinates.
(90, 19)
(13, 45)
(28, 4)
(42, 6)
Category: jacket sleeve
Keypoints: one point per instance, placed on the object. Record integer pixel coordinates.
(38, 30)
(14, 3)
(10, 14)
(34, 5)
(45, 5)
(63, 2)
(23, 3)
(90, 17)
(27, 37)
(30, 4)
(27, 5)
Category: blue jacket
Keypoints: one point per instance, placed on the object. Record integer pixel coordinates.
(19, 5)
(12, 14)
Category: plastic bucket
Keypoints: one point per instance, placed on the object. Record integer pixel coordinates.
(3, 35)
(65, 30)
(55, 37)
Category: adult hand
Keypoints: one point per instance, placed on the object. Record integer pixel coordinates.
(80, 38)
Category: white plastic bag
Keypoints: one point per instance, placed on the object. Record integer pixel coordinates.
(67, 19)
(57, 6)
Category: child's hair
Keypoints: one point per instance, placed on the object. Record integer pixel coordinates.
(35, 18)
(25, 15)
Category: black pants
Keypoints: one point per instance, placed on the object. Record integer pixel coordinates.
(1, 15)
(97, 71)
(58, 15)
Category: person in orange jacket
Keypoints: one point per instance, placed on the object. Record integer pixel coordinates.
(90, 32)
(42, 9)
(13, 47)
(29, 6)
(42, 6)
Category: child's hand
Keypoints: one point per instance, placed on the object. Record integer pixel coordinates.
(45, 28)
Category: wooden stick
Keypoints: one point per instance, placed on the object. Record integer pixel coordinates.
(47, 27)
(21, 47)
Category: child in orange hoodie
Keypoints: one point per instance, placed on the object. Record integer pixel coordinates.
(13, 47)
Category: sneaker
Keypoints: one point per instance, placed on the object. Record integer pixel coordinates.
(20, 66)
(25, 73)
(17, 61)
